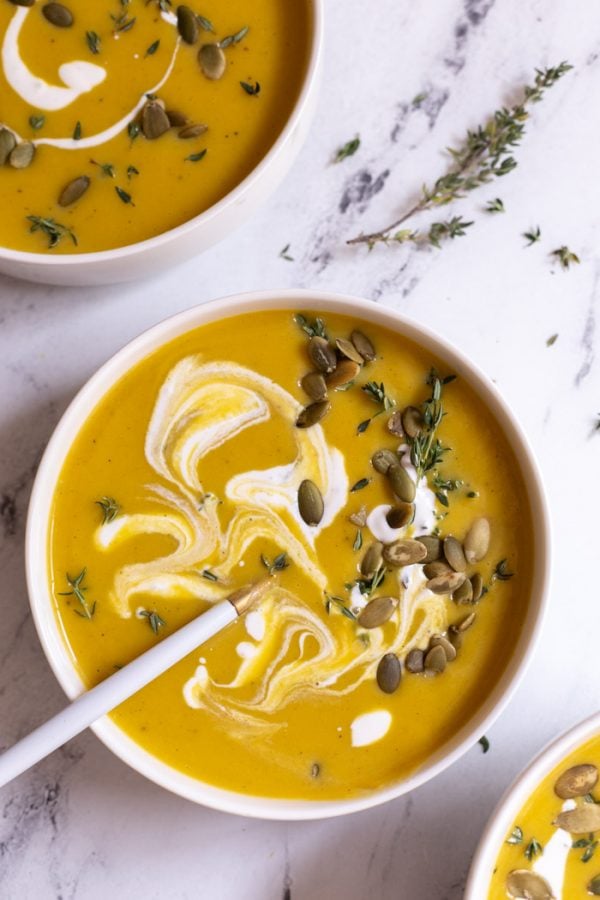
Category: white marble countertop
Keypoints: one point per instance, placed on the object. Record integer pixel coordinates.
(82, 826)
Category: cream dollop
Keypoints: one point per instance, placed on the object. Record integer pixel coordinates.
(370, 727)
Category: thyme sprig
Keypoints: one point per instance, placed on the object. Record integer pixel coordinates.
(486, 153)
(377, 393)
(533, 849)
(154, 620)
(280, 563)
(312, 329)
(332, 601)
(109, 507)
(589, 846)
(77, 591)
(532, 236)
(53, 229)
(565, 256)
(426, 449)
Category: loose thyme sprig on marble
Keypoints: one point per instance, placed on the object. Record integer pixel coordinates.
(485, 154)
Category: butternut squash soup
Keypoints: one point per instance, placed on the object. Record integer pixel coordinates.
(121, 119)
(553, 849)
(371, 489)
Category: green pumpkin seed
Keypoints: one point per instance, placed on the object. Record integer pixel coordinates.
(8, 142)
(576, 781)
(313, 413)
(402, 485)
(415, 661)
(58, 15)
(463, 594)
(212, 61)
(377, 612)
(345, 372)
(412, 421)
(404, 553)
(347, 349)
(382, 460)
(192, 131)
(438, 640)
(477, 585)
(435, 660)
(523, 883)
(363, 345)
(400, 516)
(22, 155)
(176, 118)
(314, 385)
(372, 559)
(433, 545)
(322, 354)
(477, 541)
(74, 190)
(582, 820)
(593, 886)
(435, 569)
(394, 424)
(454, 554)
(310, 502)
(463, 624)
(187, 25)
(446, 584)
(155, 121)
(389, 673)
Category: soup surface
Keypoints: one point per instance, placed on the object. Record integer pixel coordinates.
(192, 478)
(553, 847)
(123, 128)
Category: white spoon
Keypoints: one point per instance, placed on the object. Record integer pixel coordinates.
(98, 701)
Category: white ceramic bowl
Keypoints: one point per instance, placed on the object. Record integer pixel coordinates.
(148, 257)
(37, 544)
(517, 794)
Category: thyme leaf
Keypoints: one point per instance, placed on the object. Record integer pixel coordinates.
(280, 563)
(495, 206)
(565, 256)
(533, 849)
(311, 328)
(154, 620)
(516, 836)
(332, 600)
(77, 590)
(485, 745)
(93, 41)
(533, 235)
(348, 149)
(109, 508)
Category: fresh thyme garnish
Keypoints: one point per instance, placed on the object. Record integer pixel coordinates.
(360, 485)
(516, 836)
(485, 744)
(495, 206)
(37, 122)
(234, 38)
(588, 845)
(367, 585)
(154, 620)
(210, 576)
(358, 540)
(533, 849)
(109, 508)
(205, 23)
(311, 328)
(152, 48)
(53, 229)
(443, 486)
(501, 572)
(196, 157)
(426, 450)
(565, 256)
(551, 340)
(349, 149)
(93, 41)
(77, 591)
(378, 394)
(133, 130)
(107, 168)
(252, 89)
(77, 132)
(124, 196)
(486, 153)
(285, 255)
(532, 236)
(451, 228)
(131, 171)
(122, 23)
(331, 600)
(280, 563)
(416, 101)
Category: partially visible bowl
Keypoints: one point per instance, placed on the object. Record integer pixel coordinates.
(146, 258)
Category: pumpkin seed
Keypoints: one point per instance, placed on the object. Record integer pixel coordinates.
(176, 118)
(464, 593)
(576, 781)
(313, 413)
(477, 585)
(310, 502)
(359, 518)
(404, 553)
(412, 421)
(446, 584)
(377, 612)
(363, 345)
(382, 460)
(322, 354)
(477, 541)
(58, 15)
(454, 554)
(394, 424)
(22, 155)
(456, 639)
(372, 559)
(347, 349)
(314, 385)
(463, 624)
(582, 820)
(345, 372)
(402, 484)
(435, 660)
(415, 661)
(433, 545)
(192, 131)
(435, 569)
(401, 515)
(212, 61)
(8, 142)
(389, 673)
(74, 190)
(438, 640)
(155, 121)
(187, 24)
(523, 884)
(594, 886)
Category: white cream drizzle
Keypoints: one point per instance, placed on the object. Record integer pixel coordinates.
(552, 863)
(370, 727)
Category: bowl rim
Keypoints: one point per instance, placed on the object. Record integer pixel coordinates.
(36, 543)
(516, 795)
(232, 198)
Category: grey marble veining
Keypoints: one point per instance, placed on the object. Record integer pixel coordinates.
(82, 826)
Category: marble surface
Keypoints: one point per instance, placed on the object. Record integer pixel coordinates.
(82, 826)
